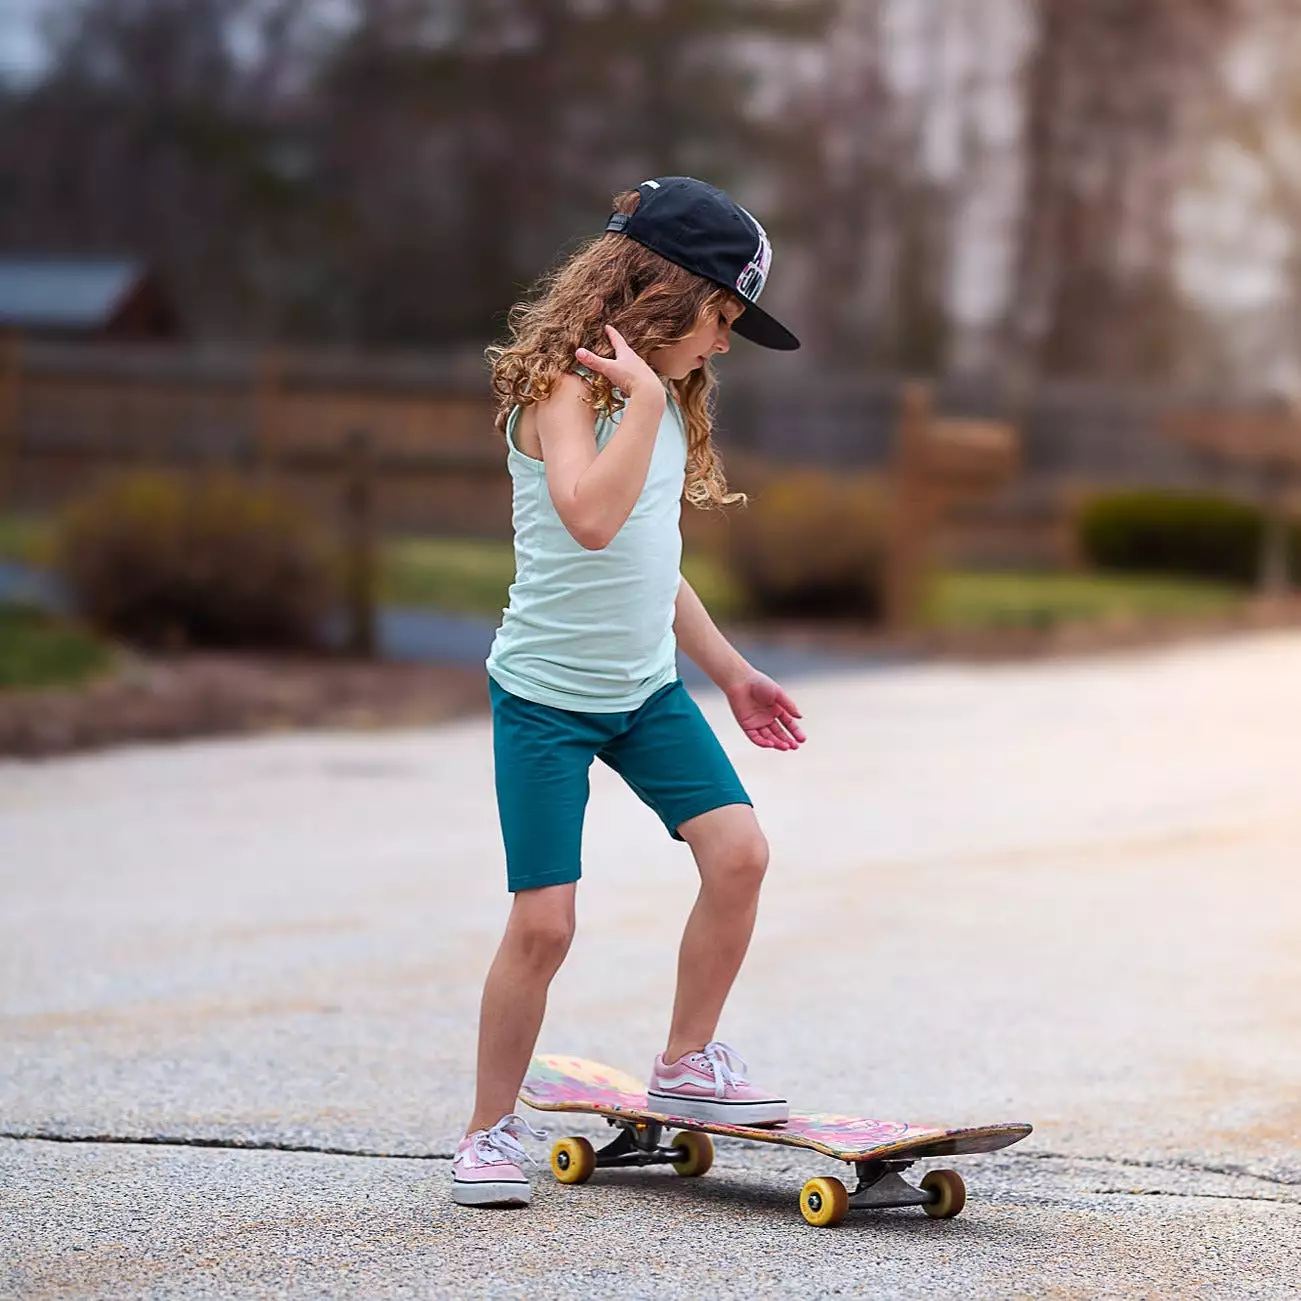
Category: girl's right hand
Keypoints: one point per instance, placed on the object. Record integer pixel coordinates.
(625, 370)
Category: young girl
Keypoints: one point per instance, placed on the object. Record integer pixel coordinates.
(602, 450)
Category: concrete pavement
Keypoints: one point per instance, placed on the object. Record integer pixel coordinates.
(1068, 893)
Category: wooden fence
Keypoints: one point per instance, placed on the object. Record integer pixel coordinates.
(387, 444)
(69, 413)
(418, 428)
(72, 415)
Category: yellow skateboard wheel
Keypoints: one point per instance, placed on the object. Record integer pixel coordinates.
(952, 1194)
(824, 1201)
(700, 1153)
(573, 1160)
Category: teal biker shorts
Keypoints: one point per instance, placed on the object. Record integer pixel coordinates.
(664, 750)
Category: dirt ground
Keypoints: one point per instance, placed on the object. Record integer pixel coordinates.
(217, 695)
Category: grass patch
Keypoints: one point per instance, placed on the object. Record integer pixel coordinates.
(473, 577)
(960, 599)
(27, 539)
(41, 650)
(460, 575)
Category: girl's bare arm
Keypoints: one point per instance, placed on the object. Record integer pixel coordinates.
(594, 492)
(699, 637)
(766, 714)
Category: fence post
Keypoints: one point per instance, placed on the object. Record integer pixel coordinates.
(10, 408)
(359, 532)
(910, 511)
(1274, 577)
(266, 430)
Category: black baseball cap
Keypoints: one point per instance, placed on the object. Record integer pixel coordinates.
(698, 227)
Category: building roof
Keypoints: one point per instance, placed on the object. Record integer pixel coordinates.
(57, 295)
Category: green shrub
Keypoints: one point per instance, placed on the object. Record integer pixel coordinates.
(810, 544)
(1193, 535)
(38, 649)
(166, 561)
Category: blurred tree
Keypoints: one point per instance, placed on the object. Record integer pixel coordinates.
(1114, 101)
(897, 153)
(395, 171)
(155, 134)
(1260, 130)
(844, 185)
(395, 179)
(468, 142)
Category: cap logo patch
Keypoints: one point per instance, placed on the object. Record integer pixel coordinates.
(750, 283)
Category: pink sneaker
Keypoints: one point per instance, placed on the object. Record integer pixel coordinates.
(711, 1085)
(486, 1168)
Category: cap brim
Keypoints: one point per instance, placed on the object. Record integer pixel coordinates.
(756, 325)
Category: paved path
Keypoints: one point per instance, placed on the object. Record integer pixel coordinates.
(1067, 893)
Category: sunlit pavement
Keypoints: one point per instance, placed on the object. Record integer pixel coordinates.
(1065, 893)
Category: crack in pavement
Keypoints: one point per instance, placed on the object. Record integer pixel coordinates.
(1174, 1163)
(1170, 1192)
(268, 1145)
(228, 1144)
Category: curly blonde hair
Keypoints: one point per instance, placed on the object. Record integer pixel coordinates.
(613, 280)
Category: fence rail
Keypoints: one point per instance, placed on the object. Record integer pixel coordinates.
(71, 415)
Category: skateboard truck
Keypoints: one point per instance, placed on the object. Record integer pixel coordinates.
(825, 1200)
(638, 1143)
(880, 1185)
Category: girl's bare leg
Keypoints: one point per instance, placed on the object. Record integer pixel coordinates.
(537, 938)
(732, 857)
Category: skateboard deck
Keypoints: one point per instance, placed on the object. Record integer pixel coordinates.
(878, 1149)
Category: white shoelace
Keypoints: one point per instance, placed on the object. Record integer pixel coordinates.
(727, 1064)
(501, 1142)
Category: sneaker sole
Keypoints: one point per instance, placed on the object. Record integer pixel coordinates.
(484, 1193)
(773, 1111)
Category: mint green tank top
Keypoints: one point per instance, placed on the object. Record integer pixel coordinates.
(593, 630)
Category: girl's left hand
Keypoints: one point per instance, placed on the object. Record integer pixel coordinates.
(766, 713)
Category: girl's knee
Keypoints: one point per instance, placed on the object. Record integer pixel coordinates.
(738, 865)
(541, 936)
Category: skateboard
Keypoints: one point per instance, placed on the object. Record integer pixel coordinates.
(877, 1149)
